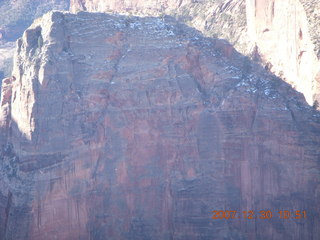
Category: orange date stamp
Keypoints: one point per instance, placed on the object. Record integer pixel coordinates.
(263, 214)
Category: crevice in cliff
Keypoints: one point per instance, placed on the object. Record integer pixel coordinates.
(292, 115)
(34, 40)
(122, 50)
(7, 212)
(82, 5)
(255, 111)
(224, 6)
(194, 69)
(39, 212)
(272, 11)
(96, 167)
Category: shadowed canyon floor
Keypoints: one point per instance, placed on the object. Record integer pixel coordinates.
(123, 128)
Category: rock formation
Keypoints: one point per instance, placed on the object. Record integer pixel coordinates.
(223, 19)
(15, 17)
(117, 127)
(284, 35)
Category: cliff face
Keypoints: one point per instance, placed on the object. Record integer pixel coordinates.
(283, 34)
(137, 128)
(223, 19)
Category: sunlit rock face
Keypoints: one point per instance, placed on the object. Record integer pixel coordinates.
(283, 35)
(283, 32)
(125, 128)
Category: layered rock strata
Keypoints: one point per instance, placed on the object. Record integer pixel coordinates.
(283, 35)
(119, 127)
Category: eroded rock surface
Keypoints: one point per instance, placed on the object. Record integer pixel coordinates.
(137, 128)
(284, 35)
(223, 19)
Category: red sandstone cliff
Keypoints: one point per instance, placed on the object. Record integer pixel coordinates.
(283, 34)
(137, 128)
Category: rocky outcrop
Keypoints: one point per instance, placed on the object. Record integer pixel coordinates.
(15, 17)
(283, 35)
(120, 127)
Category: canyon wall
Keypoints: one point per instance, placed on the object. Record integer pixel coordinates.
(283, 35)
(117, 127)
(222, 19)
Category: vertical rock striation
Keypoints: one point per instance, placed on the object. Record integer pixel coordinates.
(124, 128)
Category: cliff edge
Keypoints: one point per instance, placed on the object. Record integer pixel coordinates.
(282, 35)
